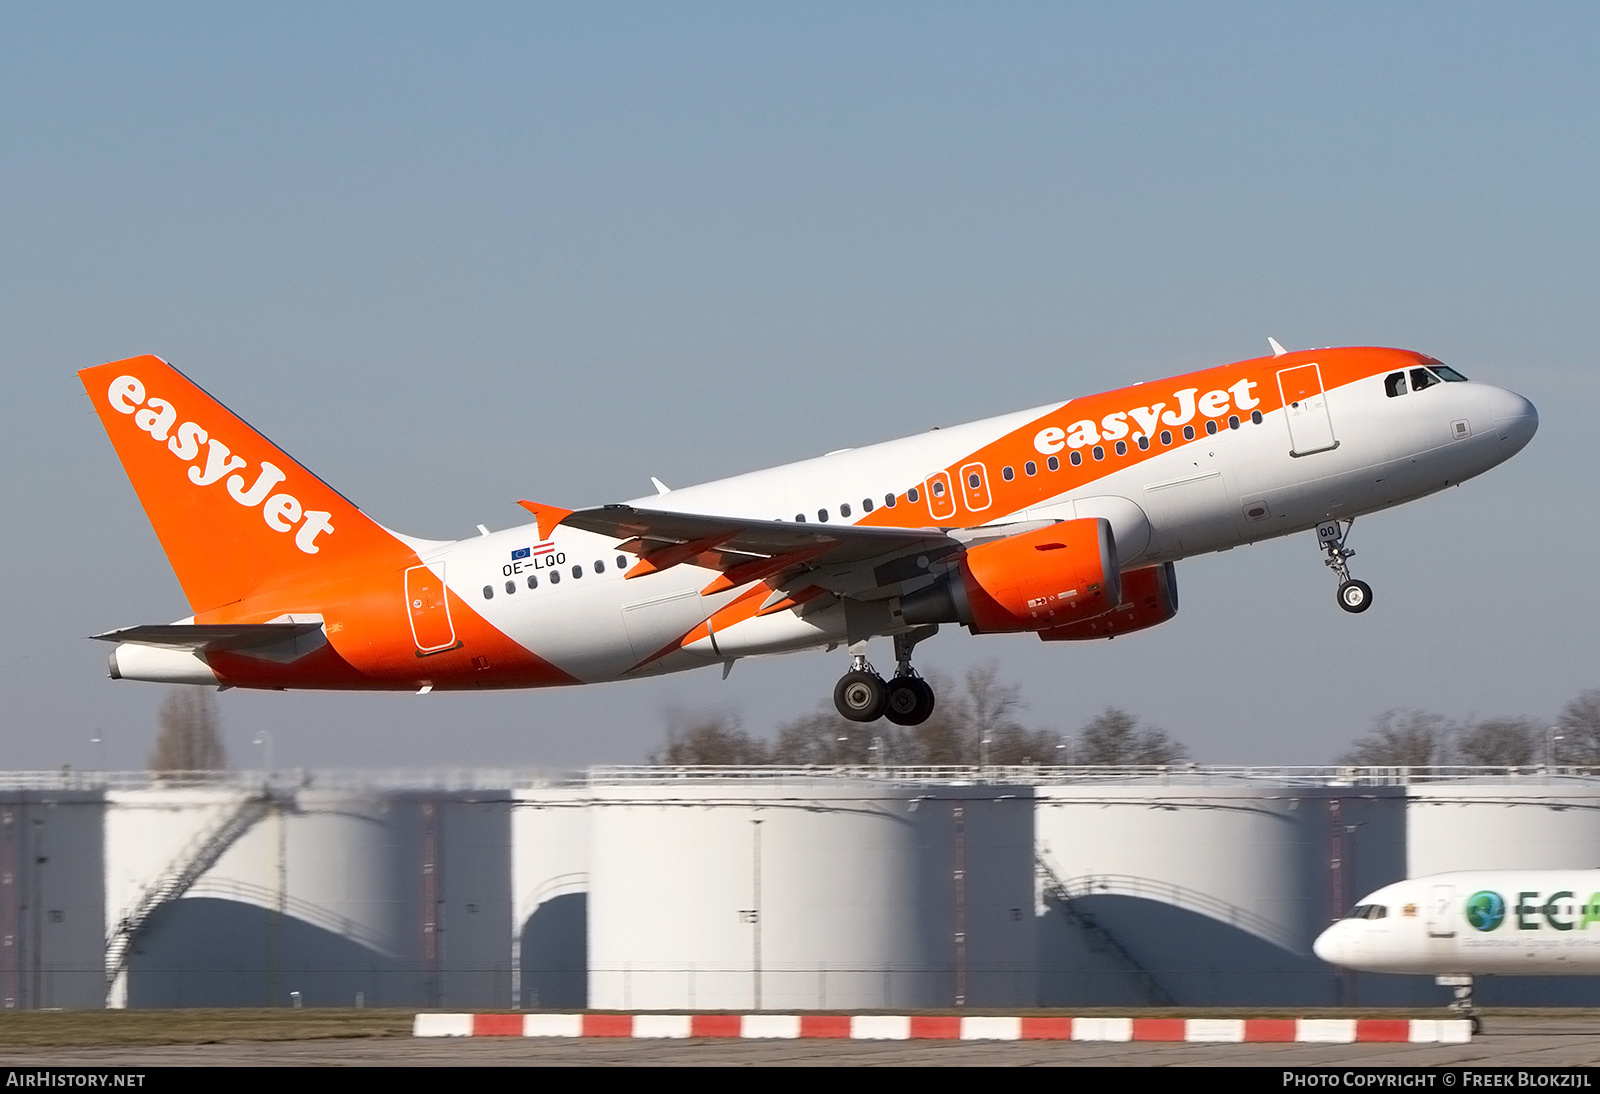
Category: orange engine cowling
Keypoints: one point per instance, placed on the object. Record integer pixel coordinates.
(1149, 596)
(1049, 577)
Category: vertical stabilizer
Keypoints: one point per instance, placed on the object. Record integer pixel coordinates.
(232, 510)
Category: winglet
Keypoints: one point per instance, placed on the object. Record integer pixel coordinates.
(1277, 350)
(548, 516)
(661, 487)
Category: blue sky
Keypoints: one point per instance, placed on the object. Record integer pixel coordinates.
(450, 258)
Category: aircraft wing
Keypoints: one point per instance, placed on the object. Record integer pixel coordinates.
(211, 636)
(749, 550)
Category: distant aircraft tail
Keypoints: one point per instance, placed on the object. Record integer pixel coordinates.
(234, 512)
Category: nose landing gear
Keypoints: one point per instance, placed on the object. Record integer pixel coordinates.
(1354, 596)
(861, 695)
(1462, 1003)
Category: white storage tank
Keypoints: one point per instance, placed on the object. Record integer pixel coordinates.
(550, 887)
(793, 892)
(1511, 822)
(1203, 888)
(329, 897)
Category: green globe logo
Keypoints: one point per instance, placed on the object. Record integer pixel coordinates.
(1486, 910)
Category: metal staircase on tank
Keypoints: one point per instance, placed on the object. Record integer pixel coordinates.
(186, 869)
(1057, 893)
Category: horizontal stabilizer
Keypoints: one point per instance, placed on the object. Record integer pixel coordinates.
(211, 636)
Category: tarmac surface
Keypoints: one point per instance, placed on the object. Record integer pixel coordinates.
(1512, 1041)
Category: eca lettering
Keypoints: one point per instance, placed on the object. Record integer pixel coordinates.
(1559, 911)
(1143, 421)
(159, 418)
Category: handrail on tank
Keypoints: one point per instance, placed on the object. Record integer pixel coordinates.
(69, 780)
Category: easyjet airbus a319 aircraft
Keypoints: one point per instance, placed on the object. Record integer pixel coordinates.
(1063, 520)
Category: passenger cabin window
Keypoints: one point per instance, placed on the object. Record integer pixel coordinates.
(1233, 421)
(911, 495)
(577, 571)
(1144, 443)
(1098, 452)
(1211, 428)
(599, 566)
(1166, 436)
(1122, 448)
(1421, 378)
(1053, 464)
(799, 518)
(511, 586)
(622, 562)
(1030, 468)
(822, 515)
(533, 581)
(844, 510)
(1188, 432)
(555, 577)
(1255, 416)
(1394, 384)
(866, 505)
(889, 500)
(1076, 457)
(1007, 474)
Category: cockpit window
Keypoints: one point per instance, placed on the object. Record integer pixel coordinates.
(1448, 374)
(1421, 378)
(1395, 384)
(1368, 911)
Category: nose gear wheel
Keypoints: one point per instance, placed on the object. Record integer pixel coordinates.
(1353, 596)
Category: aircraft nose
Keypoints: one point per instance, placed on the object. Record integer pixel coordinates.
(1515, 420)
(1328, 945)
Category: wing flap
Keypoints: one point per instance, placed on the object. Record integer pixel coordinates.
(837, 544)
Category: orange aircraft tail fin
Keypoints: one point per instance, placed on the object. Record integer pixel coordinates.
(232, 510)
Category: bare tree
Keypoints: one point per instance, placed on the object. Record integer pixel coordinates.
(1403, 738)
(715, 738)
(823, 738)
(1113, 737)
(1498, 742)
(1579, 725)
(189, 739)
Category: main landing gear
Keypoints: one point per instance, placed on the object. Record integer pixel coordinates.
(1354, 596)
(861, 695)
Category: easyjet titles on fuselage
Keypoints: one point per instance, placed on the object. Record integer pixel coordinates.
(1119, 424)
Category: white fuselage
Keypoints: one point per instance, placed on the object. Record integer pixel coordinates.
(1236, 487)
(1507, 922)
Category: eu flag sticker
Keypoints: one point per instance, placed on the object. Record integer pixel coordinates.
(521, 552)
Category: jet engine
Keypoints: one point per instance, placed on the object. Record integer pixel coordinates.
(1149, 596)
(1051, 577)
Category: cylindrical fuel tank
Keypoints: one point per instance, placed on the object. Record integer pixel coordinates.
(1202, 888)
(795, 892)
(1510, 822)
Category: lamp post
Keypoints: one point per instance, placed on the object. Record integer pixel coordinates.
(1551, 736)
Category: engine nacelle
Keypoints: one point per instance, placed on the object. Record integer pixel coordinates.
(1149, 596)
(1050, 577)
